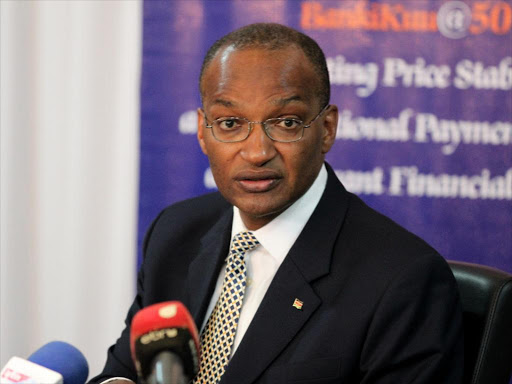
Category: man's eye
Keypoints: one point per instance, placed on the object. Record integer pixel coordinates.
(228, 124)
(288, 123)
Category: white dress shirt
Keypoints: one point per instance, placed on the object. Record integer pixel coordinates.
(276, 238)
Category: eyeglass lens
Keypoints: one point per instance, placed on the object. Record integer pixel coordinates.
(238, 129)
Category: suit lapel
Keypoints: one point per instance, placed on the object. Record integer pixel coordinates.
(276, 321)
(205, 268)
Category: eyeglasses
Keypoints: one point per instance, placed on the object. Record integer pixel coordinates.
(236, 129)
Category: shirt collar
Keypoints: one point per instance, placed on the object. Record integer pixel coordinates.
(278, 236)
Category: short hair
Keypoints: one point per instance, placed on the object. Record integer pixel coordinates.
(273, 36)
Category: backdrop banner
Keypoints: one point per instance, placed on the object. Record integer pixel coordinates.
(424, 94)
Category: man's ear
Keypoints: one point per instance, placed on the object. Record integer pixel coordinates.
(200, 130)
(330, 126)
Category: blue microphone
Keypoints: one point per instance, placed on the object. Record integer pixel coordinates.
(54, 363)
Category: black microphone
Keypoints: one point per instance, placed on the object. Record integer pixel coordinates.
(165, 344)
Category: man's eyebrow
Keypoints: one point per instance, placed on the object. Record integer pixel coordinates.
(223, 102)
(288, 100)
(280, 102)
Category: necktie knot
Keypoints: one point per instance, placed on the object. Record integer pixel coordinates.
(242, 242)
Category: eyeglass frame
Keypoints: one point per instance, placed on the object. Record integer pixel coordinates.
(249, 130)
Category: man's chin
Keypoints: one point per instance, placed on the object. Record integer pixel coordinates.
(259, 213)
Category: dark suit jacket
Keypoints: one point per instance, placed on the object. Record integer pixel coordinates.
(380, 305)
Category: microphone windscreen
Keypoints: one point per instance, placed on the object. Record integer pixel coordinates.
(166, 326)
(169, 314)
(63, 358)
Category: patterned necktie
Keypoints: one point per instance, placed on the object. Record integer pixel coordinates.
(219, 333)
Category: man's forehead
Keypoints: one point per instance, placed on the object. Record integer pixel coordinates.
(257, 67)
(278, 102)
(229, 58)
(224, 53)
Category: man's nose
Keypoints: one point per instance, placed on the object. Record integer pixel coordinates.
(258, 148)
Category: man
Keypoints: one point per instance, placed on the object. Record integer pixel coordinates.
(328, 290)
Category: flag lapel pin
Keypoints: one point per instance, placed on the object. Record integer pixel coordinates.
(298, 304)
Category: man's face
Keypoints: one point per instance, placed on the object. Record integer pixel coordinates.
(260, 176)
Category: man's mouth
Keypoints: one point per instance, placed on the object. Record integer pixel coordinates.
(258, 181)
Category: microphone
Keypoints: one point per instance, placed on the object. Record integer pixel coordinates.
(54, 363)
(165, 344)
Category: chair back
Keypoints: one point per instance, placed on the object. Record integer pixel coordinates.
(486, 295)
